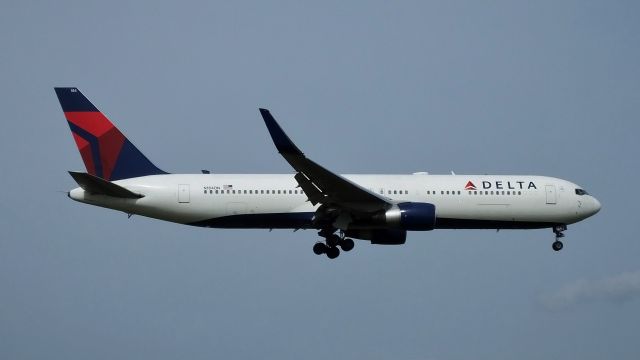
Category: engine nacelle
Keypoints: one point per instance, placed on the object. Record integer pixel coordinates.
(411, 216)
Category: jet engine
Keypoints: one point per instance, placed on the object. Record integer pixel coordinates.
(411, 216)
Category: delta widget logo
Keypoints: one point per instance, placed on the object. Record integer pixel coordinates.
(502, 185)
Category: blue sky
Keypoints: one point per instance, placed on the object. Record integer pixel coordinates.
(549, 88)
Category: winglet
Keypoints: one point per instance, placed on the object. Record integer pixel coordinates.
(280, 139)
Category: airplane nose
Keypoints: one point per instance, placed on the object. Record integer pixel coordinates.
(596, 206)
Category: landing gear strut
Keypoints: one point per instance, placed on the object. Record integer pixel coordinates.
(558, 230)
(331, 244)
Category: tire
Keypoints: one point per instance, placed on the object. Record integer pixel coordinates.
(347, 244)
(332, 252)
(319, 248)
(557, 245)
(333, 240)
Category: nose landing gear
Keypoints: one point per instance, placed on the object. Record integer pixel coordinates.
(558, 231)
(331, 244)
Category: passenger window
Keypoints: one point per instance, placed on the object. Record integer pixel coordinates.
(519, 192)
(458, 192)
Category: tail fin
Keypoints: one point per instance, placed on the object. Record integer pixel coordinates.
(106, 152)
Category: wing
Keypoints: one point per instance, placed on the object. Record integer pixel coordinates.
(319, 184)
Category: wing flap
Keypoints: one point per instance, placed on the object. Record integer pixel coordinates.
(313, 193)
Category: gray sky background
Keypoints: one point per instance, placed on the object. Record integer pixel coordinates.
(544, 87)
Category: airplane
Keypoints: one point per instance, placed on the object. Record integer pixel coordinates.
(380, 209)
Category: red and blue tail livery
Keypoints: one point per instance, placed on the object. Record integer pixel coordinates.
(106, 152)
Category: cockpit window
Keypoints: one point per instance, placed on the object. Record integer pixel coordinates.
(581, 192)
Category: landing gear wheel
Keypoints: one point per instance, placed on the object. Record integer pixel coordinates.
(319, 248)
(558, 231)
(333, 240)
(347, 244)
(557, 245)
(332, 252)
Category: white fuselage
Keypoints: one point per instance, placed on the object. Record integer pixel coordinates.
(276, 201)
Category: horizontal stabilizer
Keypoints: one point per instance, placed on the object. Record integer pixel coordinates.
(96, 185)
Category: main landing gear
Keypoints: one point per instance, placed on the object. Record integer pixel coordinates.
(331, 244)
(558, 230)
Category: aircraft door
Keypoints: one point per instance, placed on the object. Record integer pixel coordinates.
(184, 194)
(551, 194)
